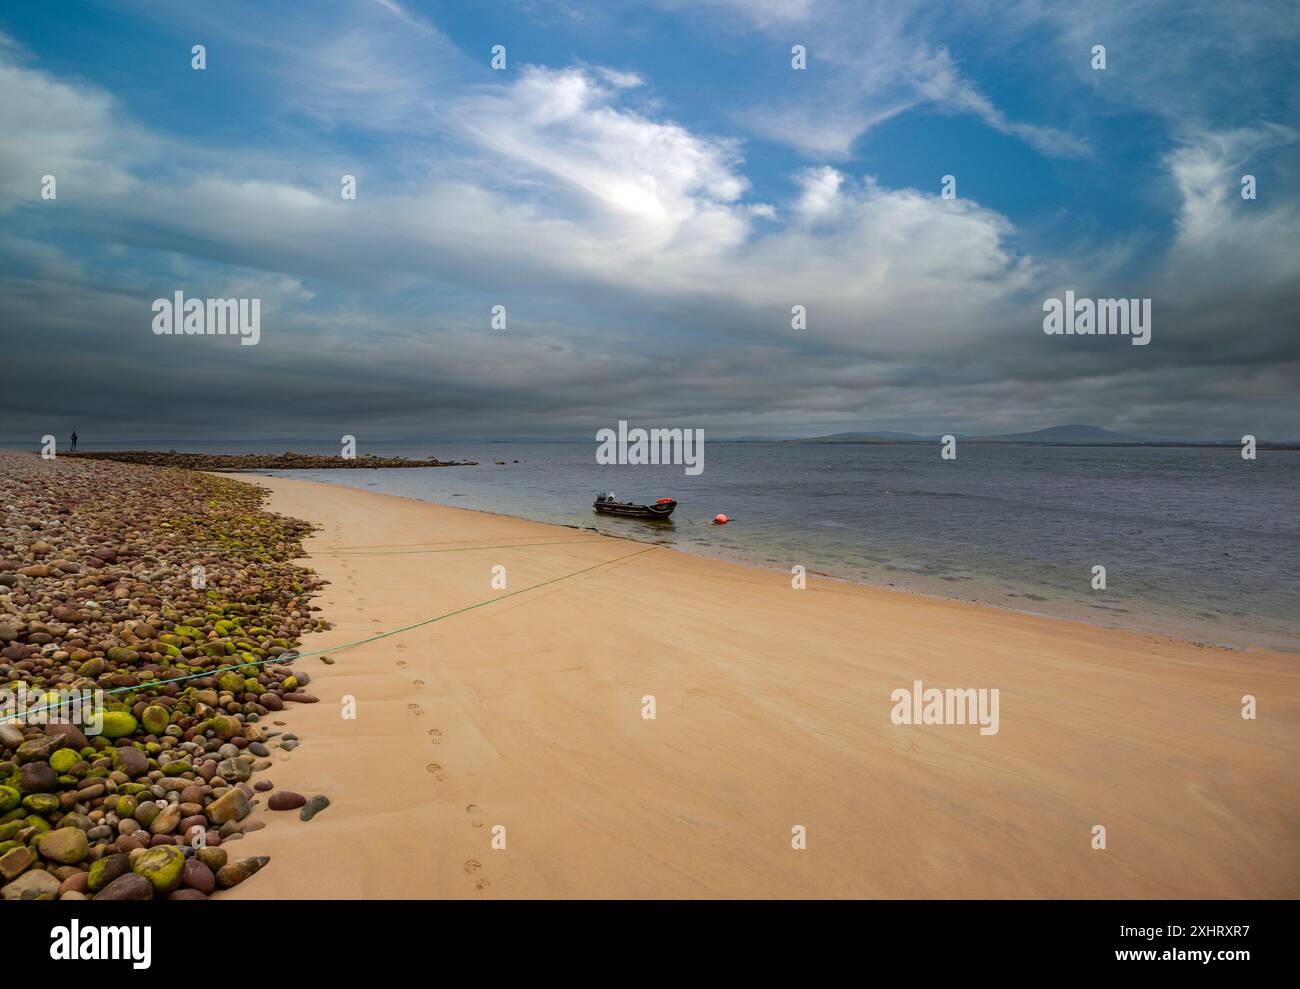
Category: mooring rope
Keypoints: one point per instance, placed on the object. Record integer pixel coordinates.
(371, 638)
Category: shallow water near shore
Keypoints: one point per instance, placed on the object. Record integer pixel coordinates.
(1196, 542)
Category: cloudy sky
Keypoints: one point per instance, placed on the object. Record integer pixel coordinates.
(648, 189)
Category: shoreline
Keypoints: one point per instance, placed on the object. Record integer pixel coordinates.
(1179, 629)
(772, 711)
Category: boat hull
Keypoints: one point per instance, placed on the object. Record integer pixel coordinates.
(659, 512)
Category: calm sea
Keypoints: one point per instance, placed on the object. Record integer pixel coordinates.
(1195, 542)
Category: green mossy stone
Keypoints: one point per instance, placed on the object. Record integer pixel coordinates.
(231, 682)
(92, 667)
(64, 759)
(225, 726)
(161, 866)
(41, 803)
(155, 718)
(64, 845)
(118, 724)
(9, 799)
(105, 870)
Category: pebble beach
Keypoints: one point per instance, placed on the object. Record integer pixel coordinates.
(172, 594)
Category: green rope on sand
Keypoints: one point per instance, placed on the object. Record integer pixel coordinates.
(372, 638)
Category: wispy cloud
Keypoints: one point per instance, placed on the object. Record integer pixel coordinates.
(875, 61)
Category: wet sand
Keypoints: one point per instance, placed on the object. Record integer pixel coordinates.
(772, 711)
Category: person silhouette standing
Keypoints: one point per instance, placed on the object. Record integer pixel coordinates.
(74, 439)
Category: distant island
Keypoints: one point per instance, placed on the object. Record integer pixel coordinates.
(1075, 434)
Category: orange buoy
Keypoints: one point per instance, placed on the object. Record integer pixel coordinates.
(719, 519)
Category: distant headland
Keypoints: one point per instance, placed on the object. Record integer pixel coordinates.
(234, 462)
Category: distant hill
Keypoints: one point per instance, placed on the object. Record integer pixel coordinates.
(883, 436)
(1074, 433)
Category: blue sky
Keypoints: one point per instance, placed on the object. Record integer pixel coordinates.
(649, 188)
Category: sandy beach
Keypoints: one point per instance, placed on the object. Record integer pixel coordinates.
(772, 711)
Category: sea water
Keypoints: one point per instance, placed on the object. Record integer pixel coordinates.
(1196, 542)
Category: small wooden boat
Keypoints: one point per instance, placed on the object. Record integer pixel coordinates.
(660, 510)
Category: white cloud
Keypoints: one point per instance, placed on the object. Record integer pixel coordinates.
(821, 192)
(56, 128)
(767, 12)
(939, 82)
(1224, 241)
(871, 63)
(653, 179)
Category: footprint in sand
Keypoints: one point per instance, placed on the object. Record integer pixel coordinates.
(401, 646)
(416, 709)
(401, 662)
(481, 884)
(473, 865)
(419, 683)
(435, 736)
(436, 770)
(472, 809)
